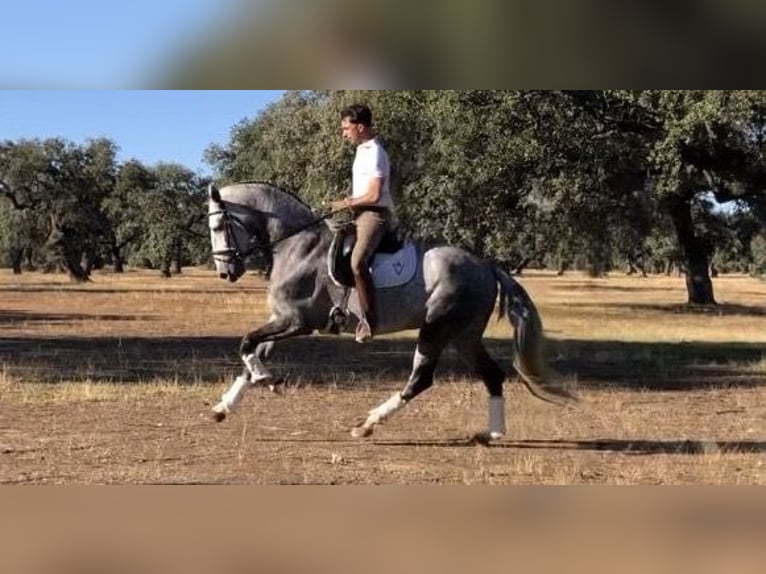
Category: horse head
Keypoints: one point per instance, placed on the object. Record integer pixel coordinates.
(229, 236)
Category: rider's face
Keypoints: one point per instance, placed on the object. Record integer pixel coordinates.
(351, 131)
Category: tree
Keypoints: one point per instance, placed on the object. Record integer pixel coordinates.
(709, 142)
(123, 209)
(585, 177)
(64, 184)
(171, 213)
(758, 249)
(736, 231)
(685, 146)
(21, 237)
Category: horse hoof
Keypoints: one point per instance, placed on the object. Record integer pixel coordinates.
(218, 416)
(361, 432)
(481, 439)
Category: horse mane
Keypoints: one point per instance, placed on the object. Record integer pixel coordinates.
(287, 191)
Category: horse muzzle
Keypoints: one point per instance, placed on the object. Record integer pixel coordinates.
(232, 275)
(230, 270)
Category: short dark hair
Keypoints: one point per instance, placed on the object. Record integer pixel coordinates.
(357, 114)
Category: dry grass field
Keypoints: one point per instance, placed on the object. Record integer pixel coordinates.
(111, 382)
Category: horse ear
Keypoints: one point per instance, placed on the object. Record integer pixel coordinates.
(213, 193)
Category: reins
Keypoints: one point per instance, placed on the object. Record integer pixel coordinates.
(256, 244)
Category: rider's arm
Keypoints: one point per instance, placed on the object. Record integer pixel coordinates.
(370, 198)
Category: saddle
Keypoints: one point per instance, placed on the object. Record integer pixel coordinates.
(394, 262)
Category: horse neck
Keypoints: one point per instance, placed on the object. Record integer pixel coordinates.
(282, 214)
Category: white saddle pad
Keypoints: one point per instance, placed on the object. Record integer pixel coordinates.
(394, 269)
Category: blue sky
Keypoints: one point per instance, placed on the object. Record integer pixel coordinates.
(102, 44)
(67, 66)
(150, 126)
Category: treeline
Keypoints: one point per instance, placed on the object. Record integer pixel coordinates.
(650, 180)
(74, 208)
(645, 181)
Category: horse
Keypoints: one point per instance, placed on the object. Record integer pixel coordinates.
(449, 296)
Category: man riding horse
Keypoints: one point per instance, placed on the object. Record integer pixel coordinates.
(371, 204)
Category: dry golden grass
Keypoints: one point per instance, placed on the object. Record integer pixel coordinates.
(107, 382)
(648, 309)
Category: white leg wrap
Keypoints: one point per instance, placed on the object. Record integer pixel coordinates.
(385, 410)
(496, 417)
(233, 395)
(257, 371)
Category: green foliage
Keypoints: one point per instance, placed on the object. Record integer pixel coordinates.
(508, 175)
(584, 179)
(758, 249)
(732, 237)
(576, 178)
(170, 214)
(64, 184)
(73, 207)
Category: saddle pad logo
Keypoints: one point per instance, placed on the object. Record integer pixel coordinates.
(394, 269)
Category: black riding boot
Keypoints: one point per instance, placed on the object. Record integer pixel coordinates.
(367, 320)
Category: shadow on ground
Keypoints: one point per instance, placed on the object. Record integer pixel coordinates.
(721, 310)
(340, 361)
(659, 366)
(634, 447)
(67, 288)
(13, 317)
(569, 287)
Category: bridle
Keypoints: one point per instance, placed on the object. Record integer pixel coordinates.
(234, 253)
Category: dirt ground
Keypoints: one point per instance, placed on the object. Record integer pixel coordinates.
(112, 382)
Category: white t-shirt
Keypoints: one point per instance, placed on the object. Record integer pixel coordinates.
(371, 161)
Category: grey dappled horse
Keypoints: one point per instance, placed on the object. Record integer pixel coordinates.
(450, 299)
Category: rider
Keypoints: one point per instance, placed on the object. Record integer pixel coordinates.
(370, 203)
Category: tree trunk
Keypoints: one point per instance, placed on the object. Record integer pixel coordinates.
(636, 264)
(29, 264)
(165, 268)
(87, 262)
(698, 284)
(76, 272)
(68, 253)
(119, 266)
(18, 259)
(177, 257)
(521, 266)
(595, 267)
(73, 259)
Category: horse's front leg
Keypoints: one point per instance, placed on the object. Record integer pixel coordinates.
(256, 346)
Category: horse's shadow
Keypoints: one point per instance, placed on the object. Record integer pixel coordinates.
(623, 446)
(340, 361)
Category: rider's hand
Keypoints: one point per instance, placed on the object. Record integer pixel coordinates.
(340, 204)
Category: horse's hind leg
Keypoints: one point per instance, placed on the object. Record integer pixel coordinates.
(431, 343)
(472, 351)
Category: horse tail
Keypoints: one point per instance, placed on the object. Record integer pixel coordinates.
(528, 360)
